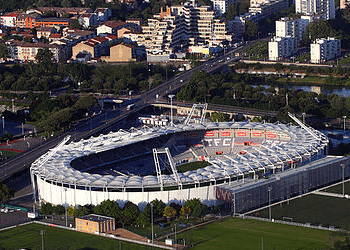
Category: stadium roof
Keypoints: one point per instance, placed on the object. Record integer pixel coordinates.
(55, 165)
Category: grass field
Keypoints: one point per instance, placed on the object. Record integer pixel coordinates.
(192, 166)
(249, 234)
(338, 189)
(29, 237)
(314, 209)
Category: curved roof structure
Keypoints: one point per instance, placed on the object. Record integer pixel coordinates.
(300, 144)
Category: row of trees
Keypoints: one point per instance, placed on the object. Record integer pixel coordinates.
(45, 76)
(130, 213)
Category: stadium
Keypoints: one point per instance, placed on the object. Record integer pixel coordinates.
(140, 165)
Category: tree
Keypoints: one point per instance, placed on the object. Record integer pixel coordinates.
(58, 210)
(185, 212)
(46, 208)
(83, 210)
(158, 208)
(251, 30)
(3, 51)
(197, 207)
(108, 208)
(169, 212)
(5, 193)
(44, 56)
(129, 214)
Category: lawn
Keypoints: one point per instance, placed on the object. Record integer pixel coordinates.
(29, 237)
(338, 189)
(192, 166)
(314, 209)
(249, 234)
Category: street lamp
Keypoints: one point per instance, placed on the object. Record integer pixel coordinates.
(42, 239)
(269, 191)
(13, 106)
(3, 124)
(152, 221)
(344, 117)
(171, 109)
(303, 114)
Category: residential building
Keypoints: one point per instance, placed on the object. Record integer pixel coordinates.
(267, 9)
(324, 49)
(344, 4)
(52, 22)
(88, 20)
(291, 27)
(103, 14)
(94, 223)
(220, 6)
(25, 51)
(110, 27)
(94, 47)
(136, 21)
(130, 3)
(77, 34)
(178, 27)
(27, 21)
(282, 47)
(309, 7)
(9, 20)
(60, 11)
(121, 53)
(45, 32)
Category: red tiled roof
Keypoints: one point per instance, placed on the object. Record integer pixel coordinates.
(114, 24)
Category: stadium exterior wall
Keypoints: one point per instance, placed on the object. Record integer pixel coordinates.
(55, 194)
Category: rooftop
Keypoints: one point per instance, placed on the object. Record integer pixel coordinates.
(95, 217)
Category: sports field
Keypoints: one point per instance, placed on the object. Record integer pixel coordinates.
(315, 209)
(250, 234)
(28, 237)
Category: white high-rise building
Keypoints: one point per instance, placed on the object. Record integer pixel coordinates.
(282, 47)
(291, 27)
(324, 49)
(310, 7)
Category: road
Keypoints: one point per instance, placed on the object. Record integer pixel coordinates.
(97, 123)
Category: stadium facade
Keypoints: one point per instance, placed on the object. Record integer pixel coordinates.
(139, 165)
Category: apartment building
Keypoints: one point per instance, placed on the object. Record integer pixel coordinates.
(292, 27)
(9, 20)
(88, 20)
(25, 51)
(344, 4)
(94, 47)
(94, 223)
(282, 47)
(267, 8)
(324, 49)
(45, 32)
(27, 21)
(52, 22)
(220, 6)
(326, 8)
(103, 14)
(60, 11)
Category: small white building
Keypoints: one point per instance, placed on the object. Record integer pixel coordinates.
(88, 19)
(9, 20)
(103, 14)
(282, 47)
(324, 49)
(220, 6)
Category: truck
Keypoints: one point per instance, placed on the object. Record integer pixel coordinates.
(130, 107)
